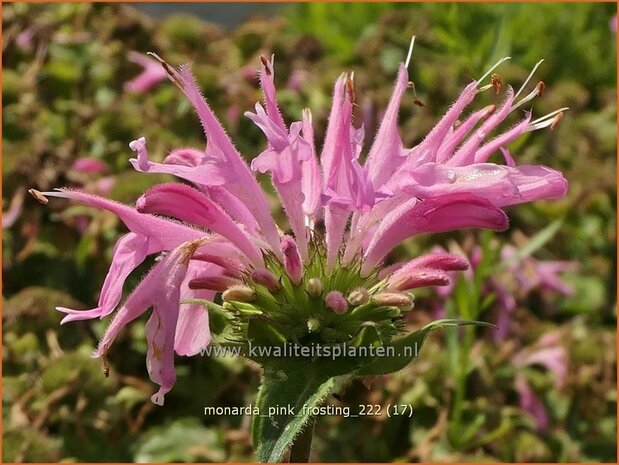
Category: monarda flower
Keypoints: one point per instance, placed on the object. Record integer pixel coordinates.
(317, 279)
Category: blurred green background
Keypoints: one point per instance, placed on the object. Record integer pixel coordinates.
(64, 70)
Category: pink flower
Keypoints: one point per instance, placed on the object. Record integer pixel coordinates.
(10, 216)
(549, 354)
(220, 233)
(90, 165)
(151, 75)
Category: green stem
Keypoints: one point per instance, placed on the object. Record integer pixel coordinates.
(300, 450)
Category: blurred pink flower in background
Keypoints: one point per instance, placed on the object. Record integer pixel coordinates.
(151, 75)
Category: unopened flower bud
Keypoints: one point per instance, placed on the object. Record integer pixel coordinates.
(393, 299)
(292, 259)
(358, 297)
(213, 283)
(313, 324)
(336, 302)
(266, 278)
(314, 287)
(239, 293)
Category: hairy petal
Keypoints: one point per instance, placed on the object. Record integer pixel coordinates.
(192, 330)
(311, 179)
(129, 252)
(160, 289)
(438, 214)
(188, 204)
(385, 154)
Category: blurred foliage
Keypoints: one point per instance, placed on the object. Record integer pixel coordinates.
(64, 70)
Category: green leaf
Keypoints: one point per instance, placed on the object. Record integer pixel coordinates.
(285, 390)
(403, 351)
(535, 243)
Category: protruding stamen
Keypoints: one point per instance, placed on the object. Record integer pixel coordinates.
(551, 119)
(265, 63)
(495, 66)
(556, 120)
(266, 278)
(239, 293)
(350, 87)
(314, 287)
(537, 92)
(336, 302)
(417, 101)
(526, 81)
(496, 82)
(38, 195)
(409, 55)
(358, 297)
(172, 74)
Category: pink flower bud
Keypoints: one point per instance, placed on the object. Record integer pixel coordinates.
(336, 302)
(292, 259)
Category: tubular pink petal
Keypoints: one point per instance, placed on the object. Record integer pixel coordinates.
(333, 128)
(385, 154)
(311, 179)
(192, 330)
(160, 289)
(336, 218)
(502, 185)
(482, 155)
(437, 214)
(428, 148)
(163, 234)
(210, 173)
(267, 76)
(465, 155)
(450, 143)
(221, 152)
(188, 204)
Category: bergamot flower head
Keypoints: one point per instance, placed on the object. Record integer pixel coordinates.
(318, 278)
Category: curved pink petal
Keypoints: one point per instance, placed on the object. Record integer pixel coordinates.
(129, 252)
(188, 204)
(501, 185)
(192, 330)
(438, 214)
(160, 289)
(163, 234)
